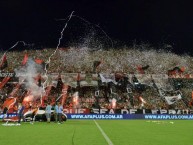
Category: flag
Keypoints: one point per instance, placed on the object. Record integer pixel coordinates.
(95, 65)
(106, 78)
(141, 69)
(15, 90)
(176, 70)
(4, 62)
(70, 79)
(39, 61)
(172, 99)
(42, 63)
(4, 81)
(9, 103)
(25, 59)
(192, 95)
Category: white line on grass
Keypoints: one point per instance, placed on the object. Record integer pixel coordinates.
(104, 134)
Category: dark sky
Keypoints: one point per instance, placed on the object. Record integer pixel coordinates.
(126, 21)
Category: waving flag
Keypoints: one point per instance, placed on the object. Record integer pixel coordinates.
(25, 59)
(106, 78)
(15, 90)
(141, 69)
(172, 99)
(9, 103)
(176, 70)
(4, 62)
(95, 65)
(4, 81)
(42, 63)
(39, 61)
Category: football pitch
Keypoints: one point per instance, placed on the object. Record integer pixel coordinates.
(99, 132)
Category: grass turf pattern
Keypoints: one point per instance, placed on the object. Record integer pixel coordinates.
(85, 132)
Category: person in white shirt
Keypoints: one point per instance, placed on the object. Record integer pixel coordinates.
(60, 111)
(48, 112)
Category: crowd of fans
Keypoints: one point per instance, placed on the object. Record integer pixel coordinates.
(124, 61)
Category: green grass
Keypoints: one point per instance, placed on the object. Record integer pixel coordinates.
(85, 132)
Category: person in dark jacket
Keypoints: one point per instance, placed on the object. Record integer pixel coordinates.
(20, 112)
(5, 112)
